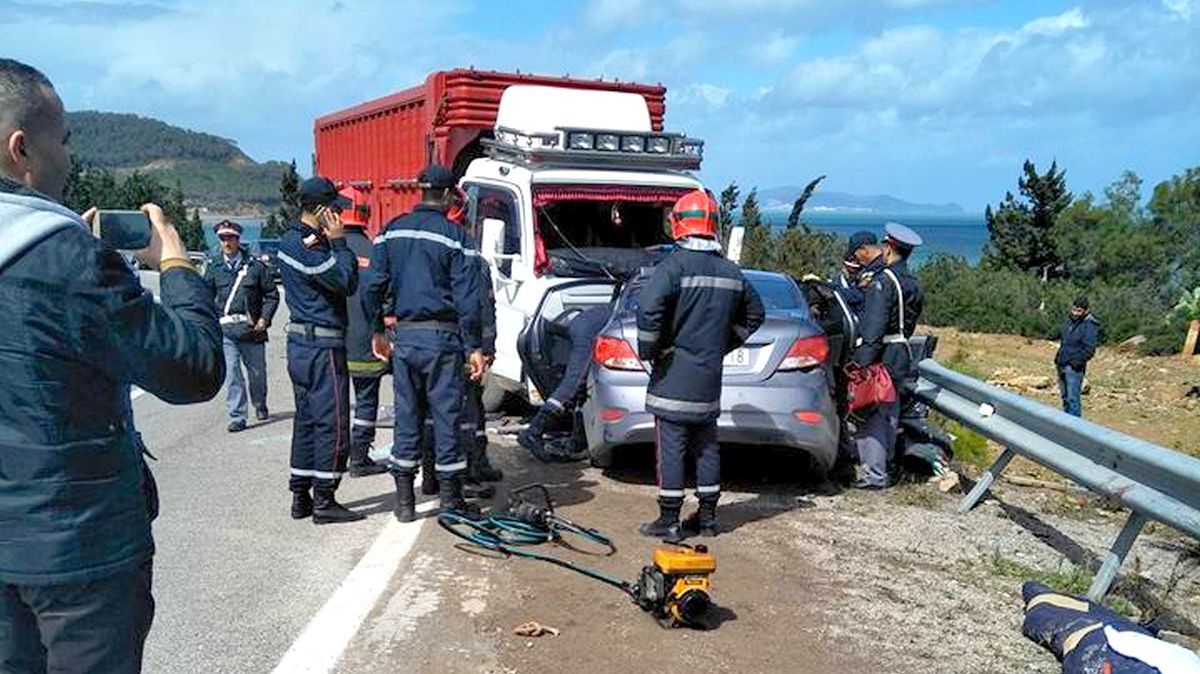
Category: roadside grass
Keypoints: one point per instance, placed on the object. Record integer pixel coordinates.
(970, 448)
(960, 362)
(1069, 579)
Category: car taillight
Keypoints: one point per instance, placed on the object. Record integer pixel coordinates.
(615, 354)
(805, 352)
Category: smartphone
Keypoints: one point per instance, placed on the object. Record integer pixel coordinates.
(124, 230)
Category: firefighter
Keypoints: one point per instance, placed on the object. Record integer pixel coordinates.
(427, 261)
(319, 272)
(893, 304)
(366, 371)
(695, 308)
(581, 333)
(246, 299)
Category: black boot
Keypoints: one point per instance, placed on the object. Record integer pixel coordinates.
(429, 481)
(666, 526)
(406, 500)
(302, 505)
(704, 521)
(361, 464)
(326, 509)
(478, 466)
(474, 489)
(451, 495)
(531, 437)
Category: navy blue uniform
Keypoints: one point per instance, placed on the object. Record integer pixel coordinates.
(695, 308)
(473, 425)
(76, 498)
(318, 275)
(366, 371)
(430, 267)
(893, 304)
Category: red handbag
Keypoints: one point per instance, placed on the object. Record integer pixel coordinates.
(869, 386)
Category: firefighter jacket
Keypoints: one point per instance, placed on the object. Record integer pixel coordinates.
(894, 301)
(695, 308)
(244, 292)
(76, 499)
(432, 271)
(361, 360)
(319, 273)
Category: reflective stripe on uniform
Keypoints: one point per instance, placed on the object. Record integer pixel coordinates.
(303, 268)
(708, 489)
(420, 236)
(450, 467)
(671, 493)
(714, 282)
(894, 339)
(647, 337)
(365, 423)
(555, 404)
(401, 463)
(466, 426)
(304, 472)
(686, 406)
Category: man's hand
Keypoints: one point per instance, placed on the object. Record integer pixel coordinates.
(261, 325)
(93, 222)
(381, 346)
(331, 222)
(478, 364)
(165, 243)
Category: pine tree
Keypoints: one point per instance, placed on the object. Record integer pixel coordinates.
(289, 204)
(1022, 230)
(729, 201)
(798, 207)
(758, 245)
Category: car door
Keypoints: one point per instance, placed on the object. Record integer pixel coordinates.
(487, 200)
(544, 345)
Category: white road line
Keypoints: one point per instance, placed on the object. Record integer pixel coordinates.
(322, 643)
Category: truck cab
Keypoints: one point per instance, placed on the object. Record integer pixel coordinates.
(573, 185)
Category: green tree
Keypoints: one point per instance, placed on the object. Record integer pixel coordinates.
(289, 204)
(799, 252)
(191, 230)
(1022, 229)
(794, 220)
(88, 187)
(757, 246)
(729, 202)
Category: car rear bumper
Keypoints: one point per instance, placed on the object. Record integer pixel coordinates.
(759, 414)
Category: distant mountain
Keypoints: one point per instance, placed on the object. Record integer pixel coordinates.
(781, 198)
(212, 171)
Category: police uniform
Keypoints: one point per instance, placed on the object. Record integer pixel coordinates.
(695, 308)
(245, 293)
(581, 333)
(428, 263)
(319, 273)
(366, 371)
(893, 304)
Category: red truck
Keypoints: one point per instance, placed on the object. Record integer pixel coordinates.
(381, 145)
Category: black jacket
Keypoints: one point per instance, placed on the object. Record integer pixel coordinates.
(1078, 345)
(880, 329)
(76, 500)
(695, 308)
(361, 360)
(256, 296)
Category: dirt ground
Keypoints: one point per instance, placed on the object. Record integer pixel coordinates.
(846, 582)
(1146, 397)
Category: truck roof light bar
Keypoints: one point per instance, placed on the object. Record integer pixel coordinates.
(595, 148)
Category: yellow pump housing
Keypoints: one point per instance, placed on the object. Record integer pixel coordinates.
(677, 588)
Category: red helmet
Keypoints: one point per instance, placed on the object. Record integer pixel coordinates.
(695, 214)
(357, 213)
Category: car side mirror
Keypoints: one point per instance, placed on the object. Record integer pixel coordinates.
(733, 251)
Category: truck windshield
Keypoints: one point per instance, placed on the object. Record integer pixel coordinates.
(602, 224)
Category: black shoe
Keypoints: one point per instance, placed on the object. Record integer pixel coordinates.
(429, 483)
(480, 467)
(302, 505)
(237, 425)
(450, 493)
(261, 413)
(666, 527)
(867, 486)
(703, 522)
(326, 510)
(473, 489)
(534, 444)
(406, 500)
(366, 468)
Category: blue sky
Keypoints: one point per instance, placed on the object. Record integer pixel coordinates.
(927, 100)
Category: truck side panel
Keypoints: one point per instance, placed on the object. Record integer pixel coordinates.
(384, 143)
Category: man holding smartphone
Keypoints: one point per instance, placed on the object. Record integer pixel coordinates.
(319, 272)
(246, 300)
(76, 498)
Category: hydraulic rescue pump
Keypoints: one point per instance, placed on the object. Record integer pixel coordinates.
(676, 589)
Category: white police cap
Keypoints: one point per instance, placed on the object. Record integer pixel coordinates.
(902, 236)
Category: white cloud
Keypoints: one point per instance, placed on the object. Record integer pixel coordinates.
(774, 49)
(1072, 19)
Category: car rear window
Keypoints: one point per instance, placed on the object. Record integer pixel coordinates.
(778, 293)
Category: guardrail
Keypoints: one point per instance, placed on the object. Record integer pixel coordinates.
(1153, 482)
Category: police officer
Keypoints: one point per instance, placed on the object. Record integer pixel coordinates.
(366, 370)
(319, 272)
(581, 333)
(246, 298)
(427, 262)
(695, 308)
(893, 304)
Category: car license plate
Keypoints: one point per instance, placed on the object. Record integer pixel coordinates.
(738, 358)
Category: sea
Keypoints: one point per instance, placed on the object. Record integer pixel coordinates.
(962, 235)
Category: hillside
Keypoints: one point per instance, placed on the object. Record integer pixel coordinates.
(782, 197)
(212, 171)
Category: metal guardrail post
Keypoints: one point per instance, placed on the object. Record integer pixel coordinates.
(986, 481)
(1116, 556)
